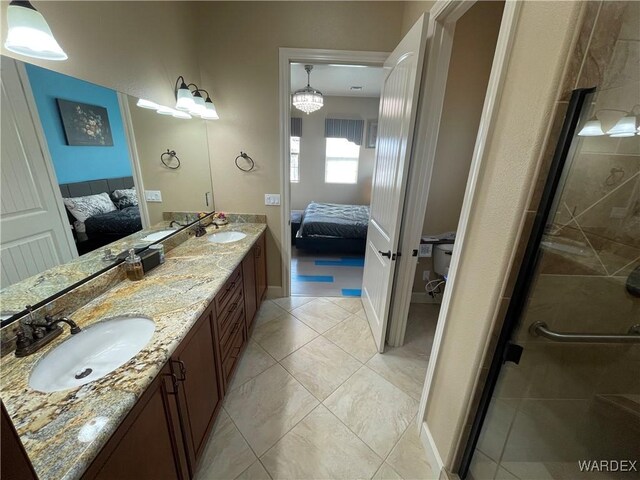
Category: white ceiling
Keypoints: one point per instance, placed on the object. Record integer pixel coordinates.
(335, 80)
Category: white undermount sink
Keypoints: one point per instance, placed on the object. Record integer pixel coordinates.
(226, 237)
(91, 354)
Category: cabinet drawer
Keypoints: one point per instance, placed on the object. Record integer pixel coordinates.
(228, 316)
(227, 290)
(233, 354)
(228, 337)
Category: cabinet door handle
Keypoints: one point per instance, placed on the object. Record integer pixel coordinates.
(258, 251)
(183, 370)
(174, 383)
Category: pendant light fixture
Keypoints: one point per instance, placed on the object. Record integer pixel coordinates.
(29, 34)
(308, 99)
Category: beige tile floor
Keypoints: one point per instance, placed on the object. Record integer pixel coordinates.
(312, 399)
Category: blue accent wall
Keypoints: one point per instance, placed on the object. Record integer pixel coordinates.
(78, 163)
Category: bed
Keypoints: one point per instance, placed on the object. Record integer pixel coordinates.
(333, 228)
(99, 230)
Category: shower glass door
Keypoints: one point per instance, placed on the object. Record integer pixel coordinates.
(570, 409)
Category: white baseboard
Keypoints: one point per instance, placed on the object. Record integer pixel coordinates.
(423, 297)
(274, 292)
(433, 456)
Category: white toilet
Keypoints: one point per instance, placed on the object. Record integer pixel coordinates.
(442, 259)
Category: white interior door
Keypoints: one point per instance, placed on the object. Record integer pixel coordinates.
(396, 121)
(32, 231)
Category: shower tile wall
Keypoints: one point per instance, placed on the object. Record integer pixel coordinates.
(581, 401)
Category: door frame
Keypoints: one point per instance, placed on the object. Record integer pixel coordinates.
(136, 168)
(443, 18)
(310, 55)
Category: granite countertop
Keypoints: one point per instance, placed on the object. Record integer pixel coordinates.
(38, 287)
(63, 431)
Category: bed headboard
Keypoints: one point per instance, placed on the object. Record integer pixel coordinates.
(94, 187)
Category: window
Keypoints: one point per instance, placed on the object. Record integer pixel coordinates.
(294, 176)
(341, 165)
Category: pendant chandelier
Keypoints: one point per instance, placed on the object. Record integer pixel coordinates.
(308, 99)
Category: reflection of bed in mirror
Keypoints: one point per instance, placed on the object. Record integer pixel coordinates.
(106, 226)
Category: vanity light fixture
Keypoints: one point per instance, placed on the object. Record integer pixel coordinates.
(162, 110)
(198, 107)
(29, 34)
(182, 115)
(191, 100)
(210, 112)
(184, 98)
(308, 99)
(627, 126)
(593, 128)
(142, 103)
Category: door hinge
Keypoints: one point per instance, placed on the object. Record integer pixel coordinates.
(512, 353)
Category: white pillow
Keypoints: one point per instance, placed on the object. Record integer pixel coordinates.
(125, 198)
(84, 207)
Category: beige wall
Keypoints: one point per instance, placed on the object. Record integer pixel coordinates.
(411, 13)
(238, 46)
(182, 189)
(312, 157)
(471, 58)
(138, 48)
(512, 151)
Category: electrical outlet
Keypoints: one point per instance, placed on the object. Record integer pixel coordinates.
(426, 275)
(272, 199)
(153, 196)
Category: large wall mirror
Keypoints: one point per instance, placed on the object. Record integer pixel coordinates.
(87, 173)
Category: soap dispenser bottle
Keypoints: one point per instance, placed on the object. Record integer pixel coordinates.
(133, 266)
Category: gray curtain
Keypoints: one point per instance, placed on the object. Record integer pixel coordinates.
(352, 130)
(296, 127)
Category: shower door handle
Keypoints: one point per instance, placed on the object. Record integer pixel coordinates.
(540, 329)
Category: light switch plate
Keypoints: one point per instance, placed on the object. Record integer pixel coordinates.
(272, 199)
(153, 196)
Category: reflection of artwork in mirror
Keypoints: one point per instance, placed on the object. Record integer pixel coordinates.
(86, 125)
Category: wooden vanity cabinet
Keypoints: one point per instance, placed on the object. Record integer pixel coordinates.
(260, 252)
(250, 290)
(14, 461)
(230, 325)
(148, 444)
(200, 389)
(166, 432)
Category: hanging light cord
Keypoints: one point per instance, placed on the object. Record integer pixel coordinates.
(167, 162)
(249, 160)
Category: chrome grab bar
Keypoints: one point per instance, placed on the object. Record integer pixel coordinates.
(540, 329)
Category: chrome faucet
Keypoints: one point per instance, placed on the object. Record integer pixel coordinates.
(35, 333)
